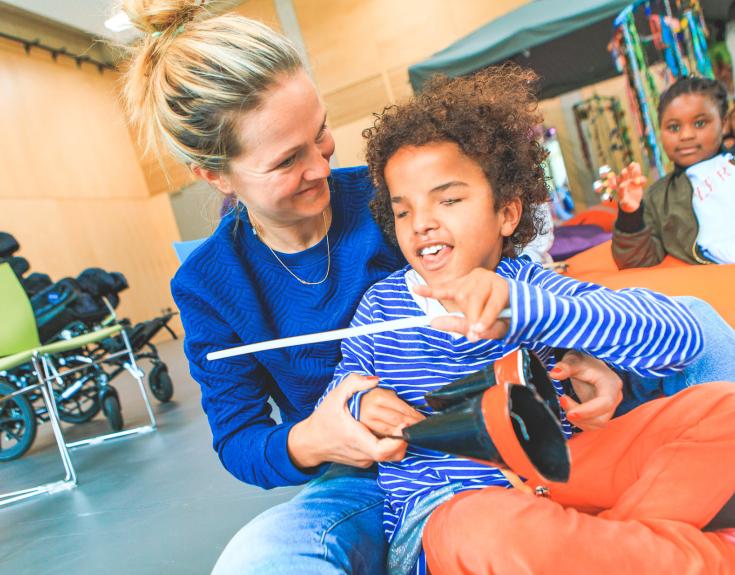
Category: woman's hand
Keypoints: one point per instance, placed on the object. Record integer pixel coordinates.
(598, 387)
(330, 433)
(630, 187)
(384, 413)
(480, 295)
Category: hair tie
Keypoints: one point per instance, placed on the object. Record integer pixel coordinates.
(176, 32)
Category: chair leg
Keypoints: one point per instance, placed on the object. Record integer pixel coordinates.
(137, 373)
(47, 391)
(70, 479)
(132, 367)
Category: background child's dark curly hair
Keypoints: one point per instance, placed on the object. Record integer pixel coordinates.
(491, 116)
(695, 85)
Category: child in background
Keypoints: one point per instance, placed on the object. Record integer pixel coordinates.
(728, 142)
(459, 181)
(687, 213)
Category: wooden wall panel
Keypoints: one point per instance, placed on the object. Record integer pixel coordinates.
(262, 10)
(62, 237)
(360, 51)
(72, 189)
(350, 40)
(356, 101)
(64, 133)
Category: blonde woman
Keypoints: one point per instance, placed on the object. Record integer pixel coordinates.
(230, 98)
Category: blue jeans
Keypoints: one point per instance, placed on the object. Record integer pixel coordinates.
(715, 363)
(334, 525)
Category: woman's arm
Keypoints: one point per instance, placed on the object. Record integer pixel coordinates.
(249, 442)
(331, 433)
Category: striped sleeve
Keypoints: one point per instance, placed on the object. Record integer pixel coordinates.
(357, 357)
(633, 329)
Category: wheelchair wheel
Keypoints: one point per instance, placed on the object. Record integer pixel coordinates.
(112, 411)
(17, 425)
(83, 403)
(160, 383)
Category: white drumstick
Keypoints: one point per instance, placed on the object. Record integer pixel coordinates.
(370, 328)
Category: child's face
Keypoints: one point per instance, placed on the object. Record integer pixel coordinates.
(691, 129)
(444, 211)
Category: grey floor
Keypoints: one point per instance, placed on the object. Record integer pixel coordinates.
(158, 503)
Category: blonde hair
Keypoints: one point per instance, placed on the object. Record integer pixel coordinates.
(191, 77)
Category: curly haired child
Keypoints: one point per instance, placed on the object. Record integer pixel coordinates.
(459, 179)
(688, 212)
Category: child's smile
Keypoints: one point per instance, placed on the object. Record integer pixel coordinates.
(434, 255)
(445, 217)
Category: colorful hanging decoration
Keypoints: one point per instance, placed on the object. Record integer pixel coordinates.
(675, 35)
(601, 125)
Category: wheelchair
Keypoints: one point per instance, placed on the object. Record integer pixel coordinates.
(81, 379)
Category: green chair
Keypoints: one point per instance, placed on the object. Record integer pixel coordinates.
(19, 344)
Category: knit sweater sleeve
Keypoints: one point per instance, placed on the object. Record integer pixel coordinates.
(633, 329)
(249, 442)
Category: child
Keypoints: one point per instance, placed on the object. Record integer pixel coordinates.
(728, 141)
(459, 179)
(688, 212)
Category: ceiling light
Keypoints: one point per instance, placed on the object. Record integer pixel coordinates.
(119, 22)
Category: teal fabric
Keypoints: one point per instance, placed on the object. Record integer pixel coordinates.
(527, 27)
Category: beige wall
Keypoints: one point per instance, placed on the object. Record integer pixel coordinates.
(262, 10)
(72, 189)
(360, 51)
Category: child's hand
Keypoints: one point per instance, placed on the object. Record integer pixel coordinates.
(385, 414)
(630, 187)
(480, 295)
(598, 387)
(331, 434)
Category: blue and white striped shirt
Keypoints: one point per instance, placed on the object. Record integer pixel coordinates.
(633, 329)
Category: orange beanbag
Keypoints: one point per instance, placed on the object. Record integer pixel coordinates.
(603, 215)
(712, 283)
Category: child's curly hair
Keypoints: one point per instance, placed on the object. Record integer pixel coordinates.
(492, 116)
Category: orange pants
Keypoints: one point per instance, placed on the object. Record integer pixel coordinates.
(640, 492)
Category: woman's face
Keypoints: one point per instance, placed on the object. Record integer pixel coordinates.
(281, 173)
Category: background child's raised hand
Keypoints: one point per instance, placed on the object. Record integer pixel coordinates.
(630, 186)
(480, 295)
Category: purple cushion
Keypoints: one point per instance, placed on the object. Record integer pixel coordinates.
(570, 240)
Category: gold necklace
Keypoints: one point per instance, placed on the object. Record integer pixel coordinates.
(280, 261)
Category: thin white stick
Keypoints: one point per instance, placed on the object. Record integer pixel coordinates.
(379, 327)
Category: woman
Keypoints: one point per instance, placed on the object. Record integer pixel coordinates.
(230, 98)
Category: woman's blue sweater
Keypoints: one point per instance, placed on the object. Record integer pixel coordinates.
(232, 290)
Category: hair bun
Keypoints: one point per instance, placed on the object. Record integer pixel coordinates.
(151, 16)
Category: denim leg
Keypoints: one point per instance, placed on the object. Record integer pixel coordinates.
(333, 526)
(715, 363)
